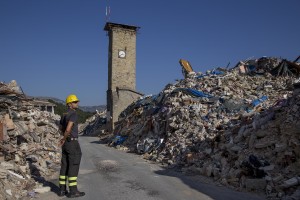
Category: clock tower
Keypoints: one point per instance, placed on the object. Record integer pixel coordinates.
(121, 70)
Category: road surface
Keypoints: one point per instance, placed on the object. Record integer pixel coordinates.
(110, 174)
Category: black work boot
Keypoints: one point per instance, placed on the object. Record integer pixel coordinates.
(74, 192)
(62, 191)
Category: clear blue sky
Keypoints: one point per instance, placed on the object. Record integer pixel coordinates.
(57, 47)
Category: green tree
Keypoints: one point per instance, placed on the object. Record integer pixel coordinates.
(59, 109)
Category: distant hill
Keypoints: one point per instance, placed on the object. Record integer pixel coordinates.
(93, 108)
(83, 108)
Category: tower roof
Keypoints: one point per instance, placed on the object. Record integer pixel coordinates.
(110, 25)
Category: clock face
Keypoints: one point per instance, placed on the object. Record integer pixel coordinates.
(122, 54)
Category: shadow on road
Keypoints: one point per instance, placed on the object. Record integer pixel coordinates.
(98, 142)
(39, 178)
(208, 188)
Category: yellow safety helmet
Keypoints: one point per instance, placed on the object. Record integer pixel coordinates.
(71, 98)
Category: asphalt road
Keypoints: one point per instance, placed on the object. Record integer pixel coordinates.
(110, 174)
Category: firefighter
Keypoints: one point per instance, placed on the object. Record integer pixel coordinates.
(71, 151)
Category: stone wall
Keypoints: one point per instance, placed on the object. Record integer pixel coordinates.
(121, 71)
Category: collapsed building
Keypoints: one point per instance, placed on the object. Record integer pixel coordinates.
(28, 144)
(239, 126)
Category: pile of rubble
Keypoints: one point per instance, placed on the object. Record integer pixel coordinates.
(239, 126)
(28, 144)
(95, 125)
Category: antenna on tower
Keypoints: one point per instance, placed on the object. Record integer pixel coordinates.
(107, 12)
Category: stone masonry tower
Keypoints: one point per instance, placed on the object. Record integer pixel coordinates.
(121, 70)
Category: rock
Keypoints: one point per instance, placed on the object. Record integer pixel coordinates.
(42, 189)
(255, 184)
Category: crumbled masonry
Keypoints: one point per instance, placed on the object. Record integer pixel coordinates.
(239, 126)
(28, 143)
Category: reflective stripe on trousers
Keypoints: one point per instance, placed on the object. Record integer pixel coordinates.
(72, 181)
(62, 180)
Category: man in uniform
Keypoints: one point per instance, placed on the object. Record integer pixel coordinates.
(71, 151)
